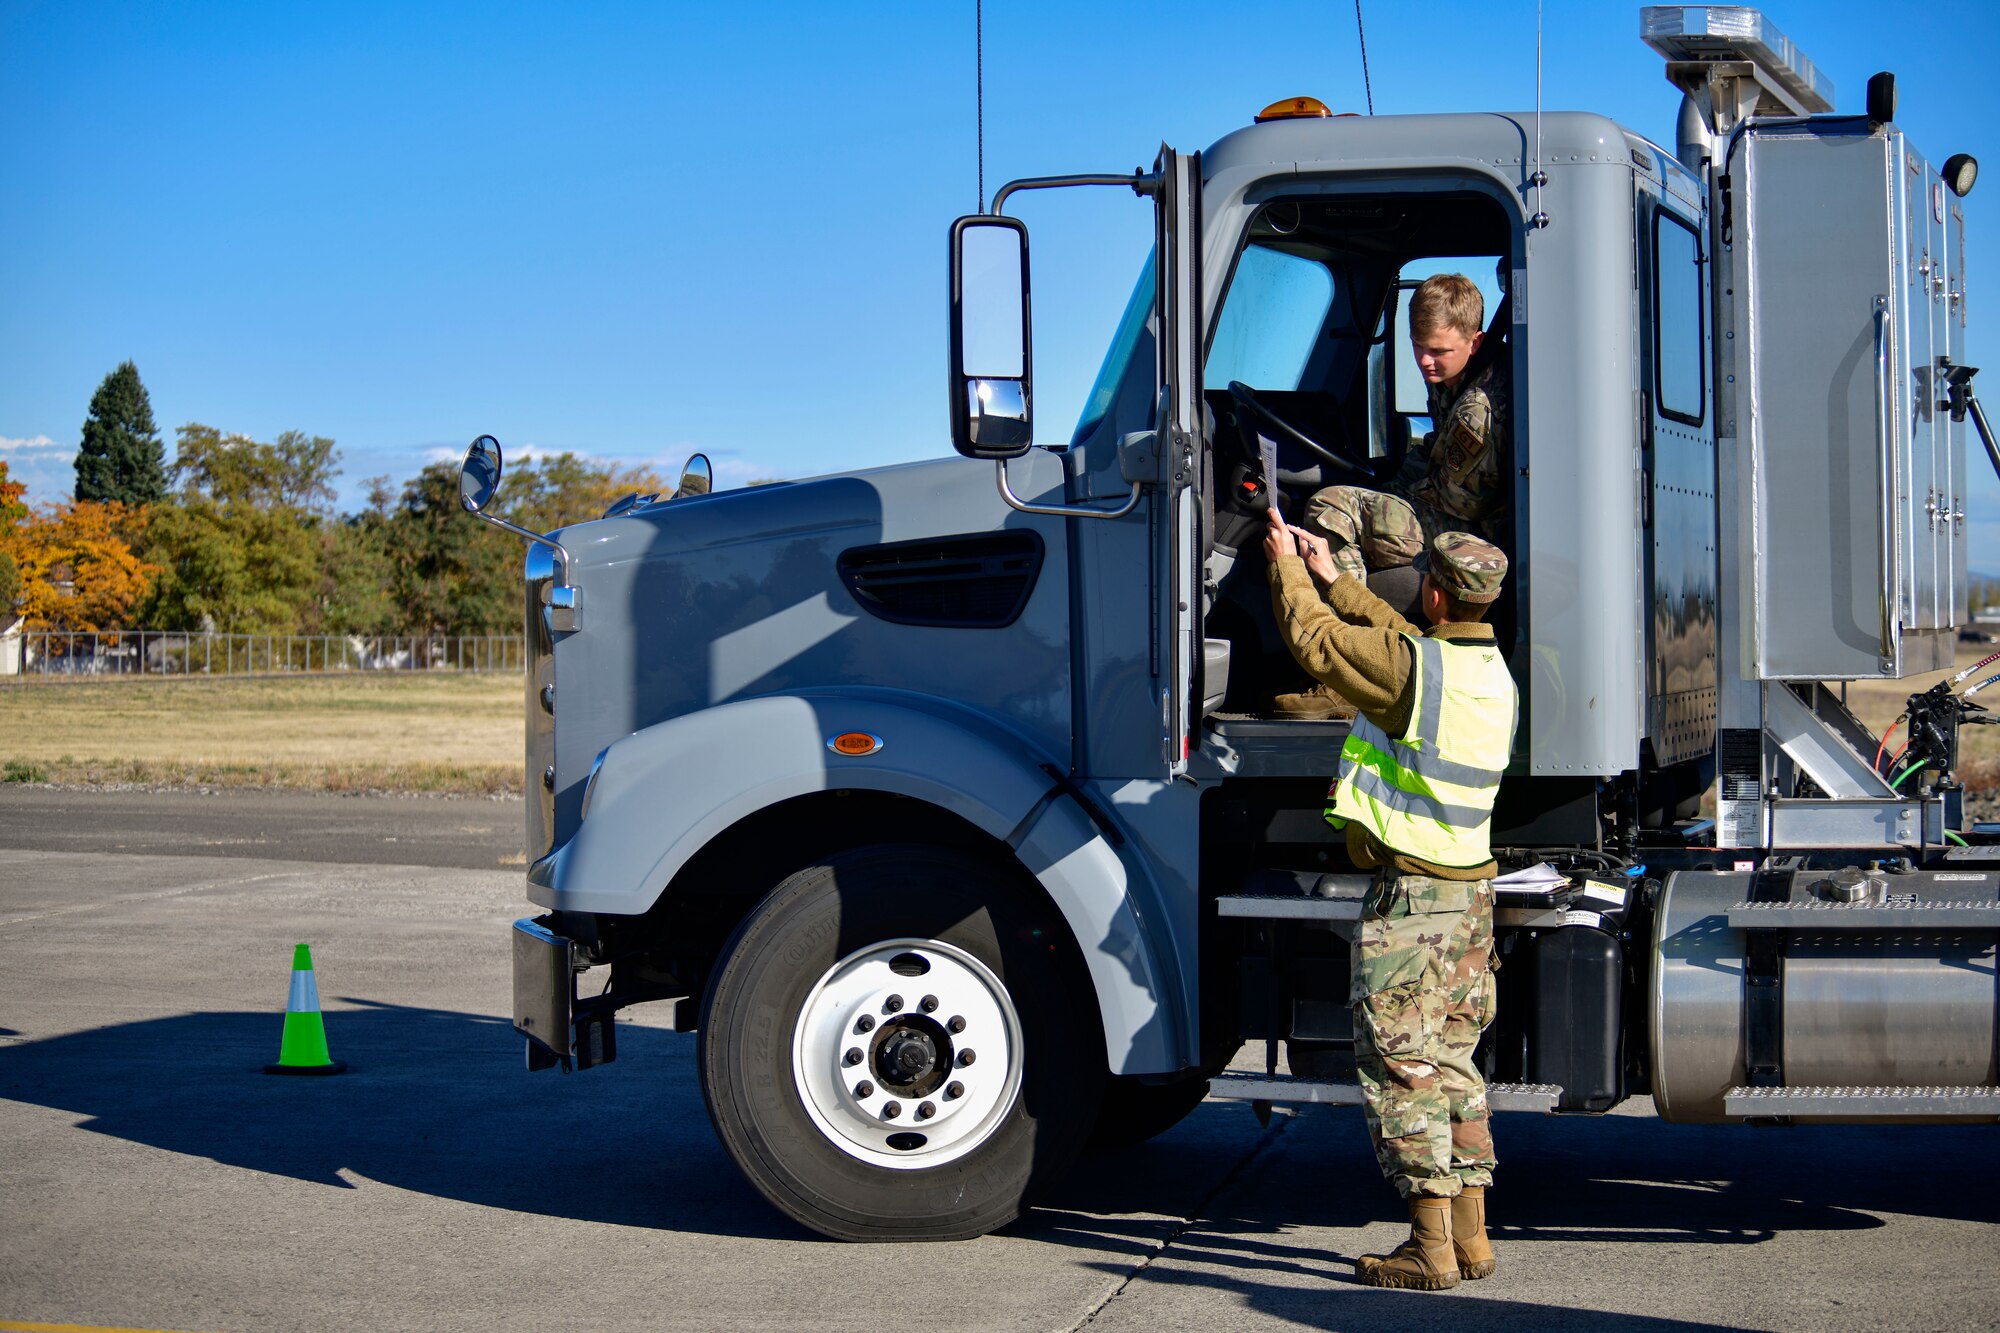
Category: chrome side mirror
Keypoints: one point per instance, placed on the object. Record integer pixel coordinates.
(697, 477)
(479, 474)
(992, 384)
(478, 479)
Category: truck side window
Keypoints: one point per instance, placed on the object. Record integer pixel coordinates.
(1272, 318)
(1678, 375)
(1117, 357)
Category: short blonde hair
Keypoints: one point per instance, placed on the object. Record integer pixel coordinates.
(1447, 301)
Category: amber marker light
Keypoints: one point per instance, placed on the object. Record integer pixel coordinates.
(854, 744)
(1293, 108)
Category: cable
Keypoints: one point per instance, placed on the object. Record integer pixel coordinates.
(1984, 661)
(1367, 84)
(1955, 838)
(1885, 740)
(1980, 686)
(1896, 783)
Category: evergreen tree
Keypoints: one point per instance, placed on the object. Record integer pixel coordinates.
(121, 458)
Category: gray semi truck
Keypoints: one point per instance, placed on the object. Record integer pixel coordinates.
(944, 800)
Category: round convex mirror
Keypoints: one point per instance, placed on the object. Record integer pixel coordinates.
(697, 478)
(479, 473)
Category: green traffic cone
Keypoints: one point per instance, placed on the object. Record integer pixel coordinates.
(303, 1049)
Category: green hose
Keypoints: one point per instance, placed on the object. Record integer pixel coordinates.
(1955, 838)
(1896, 782)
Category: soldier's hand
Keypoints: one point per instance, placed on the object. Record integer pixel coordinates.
(1277, 536)
(1318, 558)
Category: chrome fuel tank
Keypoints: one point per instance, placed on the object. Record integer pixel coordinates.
(1836, 980)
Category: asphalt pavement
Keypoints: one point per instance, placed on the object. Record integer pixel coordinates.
(151, 1176)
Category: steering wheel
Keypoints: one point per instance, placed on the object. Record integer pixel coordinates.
(1243, 394)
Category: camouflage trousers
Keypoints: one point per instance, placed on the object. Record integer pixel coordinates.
(1423, 992)
(1369, 530)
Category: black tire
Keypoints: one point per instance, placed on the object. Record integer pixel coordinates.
(781, 967)
(1134, 1112)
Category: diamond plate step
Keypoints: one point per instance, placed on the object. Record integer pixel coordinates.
(1962, 1101)
(1241, 1087)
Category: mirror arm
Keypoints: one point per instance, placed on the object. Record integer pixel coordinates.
(1141, 183)
(518, 531)
(1061, 511)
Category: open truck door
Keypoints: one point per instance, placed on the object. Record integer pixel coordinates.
(992, 406)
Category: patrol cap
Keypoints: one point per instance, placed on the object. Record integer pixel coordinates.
(1464, 566)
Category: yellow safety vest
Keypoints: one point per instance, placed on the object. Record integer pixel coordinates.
(1429, 792)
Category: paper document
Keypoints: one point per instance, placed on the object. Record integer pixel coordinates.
(1268, 451)
(1538, 878)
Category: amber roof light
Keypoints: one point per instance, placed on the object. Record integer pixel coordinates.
(1293, 108)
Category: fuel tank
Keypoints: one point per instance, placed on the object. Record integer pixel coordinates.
(1842, 981)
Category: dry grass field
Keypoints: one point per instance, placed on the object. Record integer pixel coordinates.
(420, 732)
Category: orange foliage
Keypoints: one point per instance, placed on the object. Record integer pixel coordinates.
(76, 570)
(11, 508)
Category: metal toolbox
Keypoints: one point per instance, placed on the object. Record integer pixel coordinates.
(1842, 293)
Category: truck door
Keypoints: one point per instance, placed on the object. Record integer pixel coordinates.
(1174, 513)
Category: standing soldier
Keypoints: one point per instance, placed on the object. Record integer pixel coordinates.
(1414, 792)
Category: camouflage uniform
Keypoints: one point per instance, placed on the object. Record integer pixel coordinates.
(1454, 479)
(1423, 993)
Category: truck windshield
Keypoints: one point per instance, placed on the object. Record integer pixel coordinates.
(1111, 374)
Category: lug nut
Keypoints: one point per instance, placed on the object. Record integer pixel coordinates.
(890, 1110)
(953, 1091)
(925, 1110)
(956, 1024)
(928, 1004)
(864, 1090)
(865, 1023)
(966, 1057)
(893, 1004)
(853, 1056)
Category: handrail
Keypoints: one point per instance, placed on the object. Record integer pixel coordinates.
(1060, 511)
(1885, 438)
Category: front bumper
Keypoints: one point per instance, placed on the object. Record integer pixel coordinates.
(562, 1029)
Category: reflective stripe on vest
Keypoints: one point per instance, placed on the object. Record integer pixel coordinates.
(1429, 792)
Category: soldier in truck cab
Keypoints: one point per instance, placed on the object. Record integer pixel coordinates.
(1455, 479)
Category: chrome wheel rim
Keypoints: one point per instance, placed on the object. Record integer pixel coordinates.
(907, 1054)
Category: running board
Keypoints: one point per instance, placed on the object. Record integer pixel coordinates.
(1820, 1102)
(1241, 1087)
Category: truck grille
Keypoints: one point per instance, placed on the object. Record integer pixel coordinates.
(976, 581)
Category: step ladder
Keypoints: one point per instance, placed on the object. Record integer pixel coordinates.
(1236, 1086)
(1821, 1103)
(1332, 902)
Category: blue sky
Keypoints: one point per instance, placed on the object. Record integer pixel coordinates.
(634, 230)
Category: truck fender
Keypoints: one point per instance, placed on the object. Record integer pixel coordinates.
(660, 794)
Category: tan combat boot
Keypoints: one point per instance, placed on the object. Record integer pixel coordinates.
(1468, 1234)
(1318, 704)
(1425, 1261)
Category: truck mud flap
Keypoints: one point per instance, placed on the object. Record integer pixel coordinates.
(559, 1031)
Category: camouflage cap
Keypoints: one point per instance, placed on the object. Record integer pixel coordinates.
(1464, 566)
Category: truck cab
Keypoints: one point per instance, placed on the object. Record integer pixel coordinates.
(946, 802)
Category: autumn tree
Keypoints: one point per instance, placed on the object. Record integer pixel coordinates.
(121, 459)
(239, 544)
(74, 568)
(12, 513)
(557, 490)
(453, 575)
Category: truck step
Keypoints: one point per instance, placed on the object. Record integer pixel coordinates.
(1249, 1087)
(1817, 1102)
(1296, 895)
(1288, 907)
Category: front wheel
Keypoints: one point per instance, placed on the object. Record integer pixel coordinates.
(901, 1044)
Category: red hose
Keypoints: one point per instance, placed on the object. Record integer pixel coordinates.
(1885, 739)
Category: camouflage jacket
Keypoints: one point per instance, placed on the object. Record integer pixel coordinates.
(1460, 469)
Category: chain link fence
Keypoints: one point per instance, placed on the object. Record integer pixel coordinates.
(137, 653)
